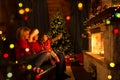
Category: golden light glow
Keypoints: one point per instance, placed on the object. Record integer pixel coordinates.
(27, 9)
(114, 5)
(80, 5)
(109, 77)
(16, 62)
(3, 38)
(97, 43)
(21, 11)
(1, 32)
(112, 64)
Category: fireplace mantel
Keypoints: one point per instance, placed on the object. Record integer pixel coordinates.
(98, 57)
(101, 16)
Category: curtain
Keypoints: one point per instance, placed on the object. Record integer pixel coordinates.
(39, 15)
(76, 24)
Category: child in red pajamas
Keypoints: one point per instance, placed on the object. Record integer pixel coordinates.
(46, 45)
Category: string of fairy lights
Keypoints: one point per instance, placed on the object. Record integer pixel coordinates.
(111, 65)
(23, 11)
(115, 16)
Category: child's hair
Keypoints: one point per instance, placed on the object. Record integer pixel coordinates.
(20, 32)
(41, 37)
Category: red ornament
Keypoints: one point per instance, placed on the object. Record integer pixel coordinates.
(116, 31)
(5, 55)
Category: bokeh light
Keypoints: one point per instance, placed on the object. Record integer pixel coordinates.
(3, 38)
(9, 75)
(107, 21)
(1, 32)
(20, 4)
(27, 9)
(25, 18)
(67, 18)
(5, 55)
(109, 77)
(16, 62)
(80, 5)
(21, 11)
(27, 49)
(116, 31)
(29, 67)
(11, 46)
(112, 64)
(117, 15)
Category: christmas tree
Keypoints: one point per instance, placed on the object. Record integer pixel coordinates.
(57, 26)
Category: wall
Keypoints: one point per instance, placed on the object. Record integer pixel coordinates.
(107, 2)
(58, 5)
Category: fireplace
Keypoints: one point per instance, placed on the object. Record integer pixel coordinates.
(103, 51)
(94, 58)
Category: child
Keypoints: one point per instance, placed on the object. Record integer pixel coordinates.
(35, 46)
(46, 45)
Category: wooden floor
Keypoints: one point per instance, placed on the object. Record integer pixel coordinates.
(70, 73)
(76, 69)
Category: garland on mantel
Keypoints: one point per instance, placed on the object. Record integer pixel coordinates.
(112, 14)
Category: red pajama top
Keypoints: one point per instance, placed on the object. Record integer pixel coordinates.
(36, 47)
(22, 48)
(47, 45)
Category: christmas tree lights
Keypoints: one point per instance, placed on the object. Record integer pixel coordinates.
(57, 26)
